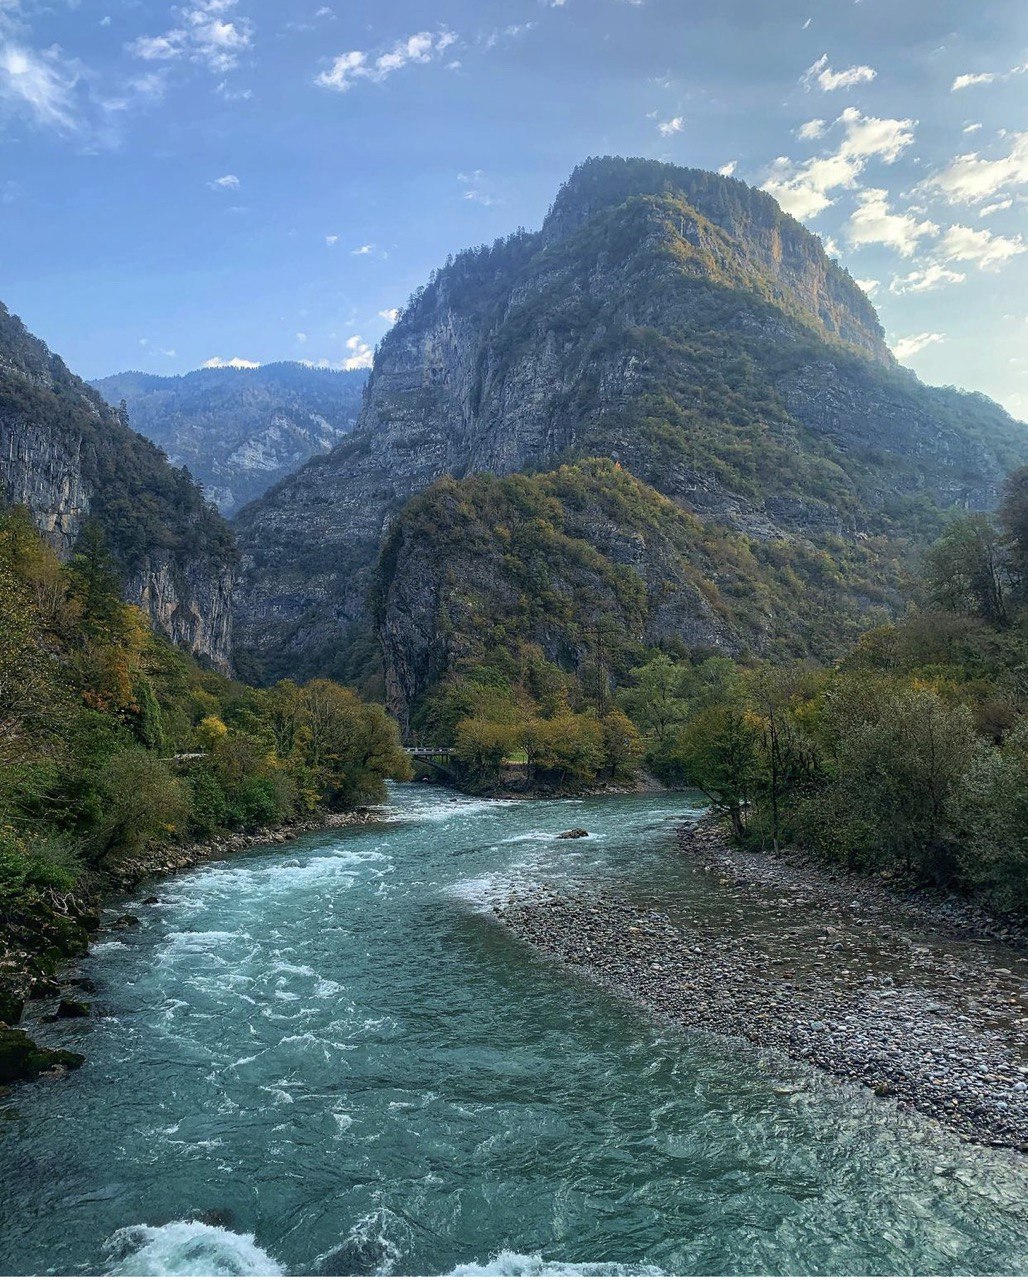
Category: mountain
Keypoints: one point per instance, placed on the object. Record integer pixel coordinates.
(68, 457)
(678, 324)
(240, 430)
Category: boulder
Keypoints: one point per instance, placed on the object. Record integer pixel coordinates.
(72, 1009)
(23, 1059)
(576, 833)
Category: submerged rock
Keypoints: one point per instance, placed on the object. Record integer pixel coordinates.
(72, 1009)
(576, 833)
(22, 1059)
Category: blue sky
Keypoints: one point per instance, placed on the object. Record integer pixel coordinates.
(268, 179)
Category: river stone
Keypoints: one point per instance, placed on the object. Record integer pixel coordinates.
(72, 1009)
(23, 1059)
(576, 833)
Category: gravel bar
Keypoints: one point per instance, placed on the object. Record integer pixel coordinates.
(922, 1001)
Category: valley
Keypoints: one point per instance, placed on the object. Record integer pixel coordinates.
(635, 531)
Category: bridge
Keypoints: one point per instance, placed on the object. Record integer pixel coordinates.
(430, 753)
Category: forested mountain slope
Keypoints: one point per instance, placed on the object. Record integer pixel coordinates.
(69, 458)
(240, 430)
(670, 320)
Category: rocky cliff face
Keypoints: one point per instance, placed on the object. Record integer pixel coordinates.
(239, 431)
(68, 457)
(671, 320)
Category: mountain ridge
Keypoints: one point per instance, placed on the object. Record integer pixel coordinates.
(646, 334)
(240, 430)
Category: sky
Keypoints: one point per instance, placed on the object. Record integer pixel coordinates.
(256, 180)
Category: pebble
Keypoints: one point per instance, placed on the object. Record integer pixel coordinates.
(907, 997)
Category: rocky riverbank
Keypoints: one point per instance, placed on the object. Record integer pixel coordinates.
(36, 948)
(920, 1000)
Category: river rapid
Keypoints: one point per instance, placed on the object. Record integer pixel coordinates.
(327, 1057)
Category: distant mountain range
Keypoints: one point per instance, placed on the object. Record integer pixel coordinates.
(240, 430)
(781, 465)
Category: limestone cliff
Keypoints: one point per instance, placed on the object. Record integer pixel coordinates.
(68, 457)
(669, 319)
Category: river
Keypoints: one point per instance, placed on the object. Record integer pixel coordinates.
(328, 1057)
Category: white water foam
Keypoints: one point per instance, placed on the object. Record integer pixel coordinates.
(186, 1249)
(509, 1263)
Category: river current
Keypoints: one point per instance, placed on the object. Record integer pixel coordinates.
(328, 1057)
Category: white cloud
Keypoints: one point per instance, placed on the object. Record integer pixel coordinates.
(202, 34)
(356, 65)
(361, 355)
(870, 287)
(932, 277)
(728, 169)
(301, 337)
(804, 190)
(986, 77)
(667, 128)
(984, 249)
(965, 82)
(40, 85)
(510, 32)
(228, 182)
(821, 73)
(872, 222)
(969, 179)
(237, 362)
(362, 251)
(904, 348)
(812, 129)
(392, 314)
(331, 240)
(972, 128)
(476, 184)
(987, 210)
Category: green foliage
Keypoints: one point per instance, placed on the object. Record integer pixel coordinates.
(111, 740)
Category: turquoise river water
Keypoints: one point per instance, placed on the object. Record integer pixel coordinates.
(328, 1058)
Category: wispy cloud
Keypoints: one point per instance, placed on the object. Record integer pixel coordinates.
(821, 74)
(805, 189)
(40, 86)
(971, 179)
(237, 362)
(668, 128)
(728, 169)
(874, 222)
(363, 250)
(203, 34)
(349, 68)
(973, 78)
(982, 248)
(933, 276)
(229, 182)
(904, 348)
(478, 188)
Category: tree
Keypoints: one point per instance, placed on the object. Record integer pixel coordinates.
(351, 746)
(967, 572)
(1013, 519)
(718, 752)
(622, 745)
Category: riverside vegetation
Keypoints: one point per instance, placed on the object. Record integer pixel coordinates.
(113, 742)
(907, 756)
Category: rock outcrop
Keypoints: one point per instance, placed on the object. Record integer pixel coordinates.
(239, 431)
(68, 457)
(672, 320)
